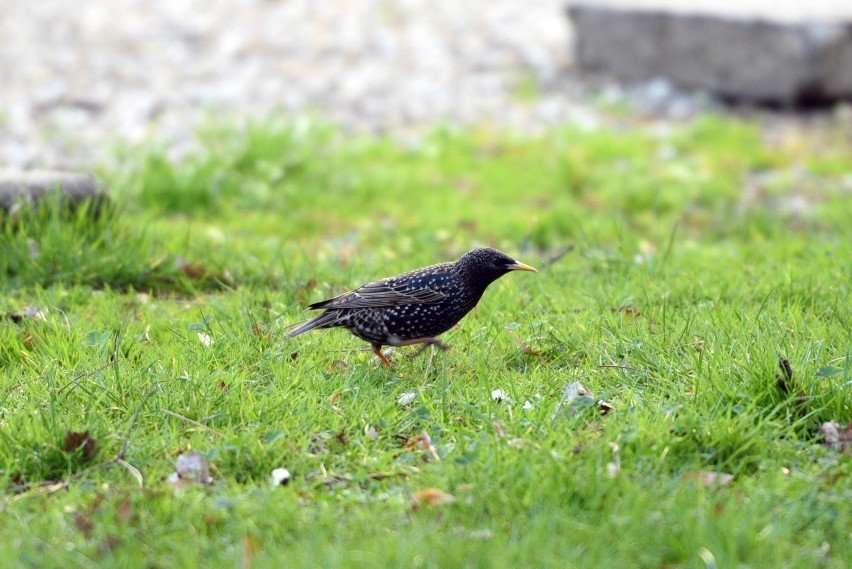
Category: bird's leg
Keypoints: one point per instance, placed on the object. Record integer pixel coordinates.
(377, 349)
(426, 343)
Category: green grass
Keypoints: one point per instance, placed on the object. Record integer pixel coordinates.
(677, 301)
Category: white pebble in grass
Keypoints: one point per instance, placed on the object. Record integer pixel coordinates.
(280, 477)
(498, 395)
(205, 339)
(527, 406)
(406, 398)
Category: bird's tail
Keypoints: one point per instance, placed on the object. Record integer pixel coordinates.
(324, 320)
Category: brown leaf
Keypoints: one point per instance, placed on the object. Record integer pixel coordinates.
(110, 544)
(74, 441)
(340, 437)
(84, 524)
(836, 437)
(629, 311)
(431, 497)
(335, 398)
(250, 549)
(709, 478)
(423, 442)
(523, 347)
(222, 385)
(124, 511)
(194, 271)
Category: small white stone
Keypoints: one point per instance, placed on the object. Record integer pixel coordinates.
(280, 477)
(527, 406)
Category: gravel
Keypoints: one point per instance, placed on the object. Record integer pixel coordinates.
(75, 81)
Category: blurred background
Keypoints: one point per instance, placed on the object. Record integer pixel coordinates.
(73, 80)
(130, 69)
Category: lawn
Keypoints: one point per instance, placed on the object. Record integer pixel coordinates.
(678, 267)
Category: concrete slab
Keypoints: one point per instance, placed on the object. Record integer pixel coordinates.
(783, 52)
(20, 188)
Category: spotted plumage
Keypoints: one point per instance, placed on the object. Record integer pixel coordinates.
(416, 306)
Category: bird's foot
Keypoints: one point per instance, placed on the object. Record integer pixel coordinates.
(427, 342)
(377, 349)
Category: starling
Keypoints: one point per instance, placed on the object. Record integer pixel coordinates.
(414, 307)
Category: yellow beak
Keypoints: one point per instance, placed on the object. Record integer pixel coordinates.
(519, 266)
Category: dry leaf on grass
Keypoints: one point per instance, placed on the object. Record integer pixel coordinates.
(431, 497)
(192, 271)
(709, 477)
(251, 547)
(423, 442)
(406, 398)
(341, 438)
(501, 430)
(74, 441)
(124, 511)
(628, 311)
(836, 437)
(371, 432)
(189, 469)
(523, 347)
(84, 524)
(575, 397)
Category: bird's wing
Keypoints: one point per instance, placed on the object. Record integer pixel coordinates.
(395, 291)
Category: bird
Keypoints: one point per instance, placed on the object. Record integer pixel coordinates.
(413, 307)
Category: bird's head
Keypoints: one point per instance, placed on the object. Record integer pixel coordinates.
(485, 265)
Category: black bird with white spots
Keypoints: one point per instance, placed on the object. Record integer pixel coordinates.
(414, 307)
